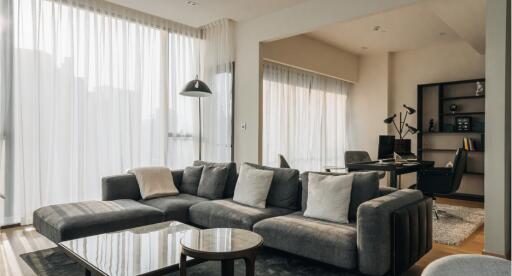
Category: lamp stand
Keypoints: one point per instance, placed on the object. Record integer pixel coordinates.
(200, 129)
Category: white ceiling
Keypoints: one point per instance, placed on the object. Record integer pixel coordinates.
(415, 26)
(207, 11)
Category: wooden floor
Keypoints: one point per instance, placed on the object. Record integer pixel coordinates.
(19, 240)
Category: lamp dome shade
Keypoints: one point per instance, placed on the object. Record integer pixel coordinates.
(196, 88)
(390, 119)
(410, 110)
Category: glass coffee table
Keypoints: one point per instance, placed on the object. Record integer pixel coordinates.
(147, 250)
(221, 244)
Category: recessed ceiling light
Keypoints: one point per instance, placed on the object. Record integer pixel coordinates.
(364, 48)
(192, 3)
(377, 28)
(442, 33)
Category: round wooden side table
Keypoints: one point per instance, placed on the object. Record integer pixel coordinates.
(221, 244)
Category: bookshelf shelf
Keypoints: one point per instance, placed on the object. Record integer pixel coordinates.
(463, 113)
(464, 98)
(446, 150)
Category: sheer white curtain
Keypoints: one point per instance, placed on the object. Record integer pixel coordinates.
(90, 97)
(5, 101)
(183, 111)
(304, 118)
(219, 57)
(211, 58)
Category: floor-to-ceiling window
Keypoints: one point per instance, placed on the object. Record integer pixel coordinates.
(95, 92)
(304, 118)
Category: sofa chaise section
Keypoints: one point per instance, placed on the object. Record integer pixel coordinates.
(81, 219)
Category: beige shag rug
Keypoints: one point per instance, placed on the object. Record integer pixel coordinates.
(455, 223)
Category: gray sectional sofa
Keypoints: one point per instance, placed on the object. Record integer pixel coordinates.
(389, 229)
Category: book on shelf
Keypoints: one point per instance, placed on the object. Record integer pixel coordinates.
(468, 144)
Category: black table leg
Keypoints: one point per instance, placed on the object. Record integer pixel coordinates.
(250, 265)
(183, 265)
(393, 179)
(228, 267)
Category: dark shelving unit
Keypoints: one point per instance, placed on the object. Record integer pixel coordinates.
(440, 145)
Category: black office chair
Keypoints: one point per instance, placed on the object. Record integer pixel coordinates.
(360, 156)
(443, 181)
(282, 162)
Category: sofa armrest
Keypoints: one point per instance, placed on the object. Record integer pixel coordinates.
(383, 190)
(374, 230)
(125, 186)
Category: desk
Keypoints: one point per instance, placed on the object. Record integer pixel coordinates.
(394, 168)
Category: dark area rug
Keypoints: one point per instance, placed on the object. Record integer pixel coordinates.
(53, 262)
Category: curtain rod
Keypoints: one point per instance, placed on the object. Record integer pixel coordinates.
(133, 15)
(267, 60)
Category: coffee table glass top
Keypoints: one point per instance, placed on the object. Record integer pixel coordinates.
(133, 251)
(221, 240)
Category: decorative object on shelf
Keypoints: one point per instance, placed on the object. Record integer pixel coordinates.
(480, 89)
(454, 108)
(198, 89)
(449, 164)
(463, 124)
(403, 145)
(431, 125)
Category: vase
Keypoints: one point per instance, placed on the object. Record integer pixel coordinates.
(403, 146)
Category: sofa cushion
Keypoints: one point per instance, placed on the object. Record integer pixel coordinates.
(227, 213)
(329, 197)
(174, 207)
(125, 186)
(324, 241)
(285, 187)
(364, 187)
(81, 219)
(190, 180)
(252, 186)
(154, 181)
(229, 190)
(213, 182)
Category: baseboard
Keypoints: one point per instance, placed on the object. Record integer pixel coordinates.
(462, 196)
(507, 256)
(10, 226)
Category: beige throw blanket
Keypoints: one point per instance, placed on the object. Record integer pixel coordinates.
(154, 181)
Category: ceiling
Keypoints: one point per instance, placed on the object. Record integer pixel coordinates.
(415, 26)
(206, 11)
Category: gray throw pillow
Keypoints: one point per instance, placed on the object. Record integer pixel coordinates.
(364, 187)
(190, 180)
(253, 186)
(329, 197)
(212, 183)
(232, 175)
(284, 189)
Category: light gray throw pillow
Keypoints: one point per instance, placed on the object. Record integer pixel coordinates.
(154, 182)
(252, 186)
(329, 197)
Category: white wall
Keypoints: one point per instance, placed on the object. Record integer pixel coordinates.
(368, 104)
(309, 54)
(284, 23)
(497, 129)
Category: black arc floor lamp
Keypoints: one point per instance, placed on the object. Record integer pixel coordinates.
(197, 89)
